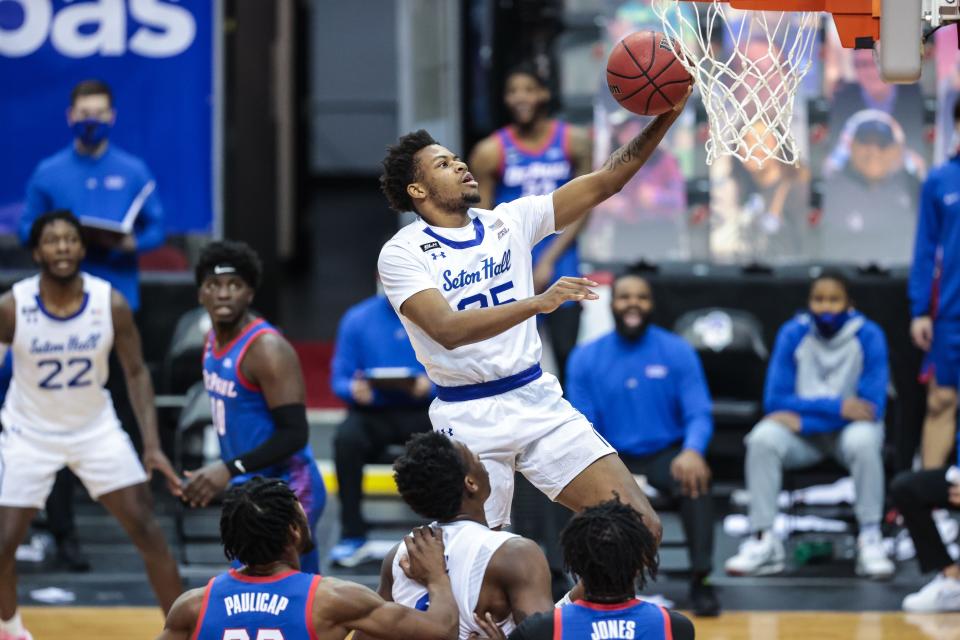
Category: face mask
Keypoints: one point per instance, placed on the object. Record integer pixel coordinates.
(91, 132)
(828, 324)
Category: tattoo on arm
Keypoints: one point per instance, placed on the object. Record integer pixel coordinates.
(628, 152)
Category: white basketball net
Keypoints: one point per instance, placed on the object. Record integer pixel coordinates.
(748, 73)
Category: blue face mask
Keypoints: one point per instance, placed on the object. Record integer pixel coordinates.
(829, 324)
(91, 132)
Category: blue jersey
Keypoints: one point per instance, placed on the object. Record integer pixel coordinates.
(631, 620)
(243, 422)
(534, 172)
(242, 607)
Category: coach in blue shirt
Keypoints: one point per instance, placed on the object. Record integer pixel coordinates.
(644, 390)
(103, 186)
(376, 372)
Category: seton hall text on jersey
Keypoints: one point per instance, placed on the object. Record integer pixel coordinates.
(611, 629)
(215, 384)
(258, 602)
(488, 269)
(515, 175)
(73, 344)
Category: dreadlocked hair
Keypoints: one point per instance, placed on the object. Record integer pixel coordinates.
(239, 255)
(400, 169)
(429, 476)
(611, 549)
(256, 519)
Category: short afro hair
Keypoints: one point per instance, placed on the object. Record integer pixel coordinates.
(36, 229)
(91, 87)
(400, 169)
(834, 275)
(238, 255)
(429, 476)
(526, 68)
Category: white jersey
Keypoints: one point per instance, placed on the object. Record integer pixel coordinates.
(468, 547)
(486, 263)
(60, 365)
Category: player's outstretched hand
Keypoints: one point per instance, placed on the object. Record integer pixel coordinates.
(490, 628)
(566, 289)
(154, 460)
(205, 484)
(424, 561)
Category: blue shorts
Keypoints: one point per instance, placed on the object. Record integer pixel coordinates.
(945, 352)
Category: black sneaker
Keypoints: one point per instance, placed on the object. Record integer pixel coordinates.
(703, 599)
(71, 557)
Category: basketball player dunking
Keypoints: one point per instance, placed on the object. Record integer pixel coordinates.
(61, 325)
(461, 281)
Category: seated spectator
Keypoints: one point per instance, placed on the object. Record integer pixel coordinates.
(825, 394)
(915, 493)
(376, 372)
(644, 390)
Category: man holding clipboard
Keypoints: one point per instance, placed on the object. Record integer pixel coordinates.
(375, 371)
(114, 195)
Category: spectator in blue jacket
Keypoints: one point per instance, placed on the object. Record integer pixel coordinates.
(387, 392)
(825, 395)
(938, 232)
(102, 185)
(644, 390)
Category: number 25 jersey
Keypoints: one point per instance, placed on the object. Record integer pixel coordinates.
(60, 364)
(485, 264)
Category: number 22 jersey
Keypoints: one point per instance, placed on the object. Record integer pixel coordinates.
(485, 264)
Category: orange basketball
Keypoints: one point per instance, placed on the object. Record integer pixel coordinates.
(644, 74)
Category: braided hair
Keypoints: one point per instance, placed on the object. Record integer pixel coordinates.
(611, 549)
(256, 519)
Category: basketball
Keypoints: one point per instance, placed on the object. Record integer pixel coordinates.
(644, 74)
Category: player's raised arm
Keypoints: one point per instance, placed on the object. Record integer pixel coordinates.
(183, 615)
(348, 606)
(126, 340)
(577, 197)
(8, 317)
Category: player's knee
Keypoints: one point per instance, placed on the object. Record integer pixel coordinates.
(901, 489)
(765, 439)
(941, 401)
(861, 441)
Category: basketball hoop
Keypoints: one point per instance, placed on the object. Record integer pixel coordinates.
(749, 80)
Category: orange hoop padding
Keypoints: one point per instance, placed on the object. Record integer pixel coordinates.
(854, 18)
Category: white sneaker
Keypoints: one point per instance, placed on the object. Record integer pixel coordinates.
(872, 560)
(941, 594)
(5, 635)
(757, 557)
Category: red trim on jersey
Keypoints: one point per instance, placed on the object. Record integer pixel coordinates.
(236, 575)
(534, 151)
(219, 353)
(203, 610)
(558, 623)
(598, 606)
(309, 614)
(667, 625)
(242, 379)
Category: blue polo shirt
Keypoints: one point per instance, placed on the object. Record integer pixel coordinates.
(371, 336)
(642, 396)
(105, 187)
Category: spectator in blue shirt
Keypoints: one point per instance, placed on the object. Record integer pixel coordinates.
(103, 186)
(825, 395)
(644, 390)
(376, 372)
(938, 232)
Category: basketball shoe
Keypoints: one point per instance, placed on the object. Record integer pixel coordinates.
(761, 556)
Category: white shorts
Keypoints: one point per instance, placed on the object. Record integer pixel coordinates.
(531, 429)
(102, 457)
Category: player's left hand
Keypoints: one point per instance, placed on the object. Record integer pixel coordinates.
(154, 460)
(205, 484)
(692, 472)
(489, 627)
(954, 495)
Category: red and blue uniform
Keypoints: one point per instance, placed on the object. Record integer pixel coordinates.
(241, 607)
(527, 171)
(630, 620)
(243, 422)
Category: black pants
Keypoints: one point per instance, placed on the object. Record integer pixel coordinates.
(563, 326)
(695, 513)
(916, 493)
(361, 439)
